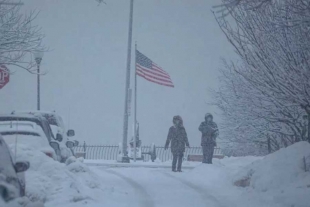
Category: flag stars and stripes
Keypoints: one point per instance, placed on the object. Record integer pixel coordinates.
(148, 70)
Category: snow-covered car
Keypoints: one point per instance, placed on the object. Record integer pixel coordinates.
(56, 123)
(33, 131)
(11, 185)
(55, 120)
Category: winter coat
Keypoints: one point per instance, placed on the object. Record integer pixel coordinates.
(178, 138)
(209, 132)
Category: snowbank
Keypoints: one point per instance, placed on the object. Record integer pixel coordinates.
(276, 180)
(281, 175)
(58, 184)
(216, 181)
(222, 170)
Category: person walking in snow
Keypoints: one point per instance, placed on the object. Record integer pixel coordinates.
(178, 138)
(209, 132)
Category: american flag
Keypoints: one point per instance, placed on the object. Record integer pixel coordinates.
(148, 70)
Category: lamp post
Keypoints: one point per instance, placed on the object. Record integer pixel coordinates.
(38, 58)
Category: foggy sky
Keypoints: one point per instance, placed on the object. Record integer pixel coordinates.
(86, 66)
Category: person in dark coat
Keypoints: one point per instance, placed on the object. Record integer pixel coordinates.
(178, 138)
(209, 132)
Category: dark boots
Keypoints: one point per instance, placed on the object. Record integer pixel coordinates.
(177, 158)
(208, 152)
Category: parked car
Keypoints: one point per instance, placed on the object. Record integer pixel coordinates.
(11, 185)
(55, 120)
(35, 131)
(56, 123)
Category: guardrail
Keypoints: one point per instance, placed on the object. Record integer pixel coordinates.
(110, 152)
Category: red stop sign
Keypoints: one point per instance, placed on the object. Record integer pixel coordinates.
(4, 76)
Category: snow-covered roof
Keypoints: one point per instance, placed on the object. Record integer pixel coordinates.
(30, 116)
(22, 118)
(18, 126)
(52, 117)
(34, 112)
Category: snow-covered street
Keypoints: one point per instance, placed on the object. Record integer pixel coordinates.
(157, 187)
(211, 185)
(277, 180)
(206, 185)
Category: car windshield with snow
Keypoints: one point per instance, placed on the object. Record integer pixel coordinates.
(35, 132)
(18, 123)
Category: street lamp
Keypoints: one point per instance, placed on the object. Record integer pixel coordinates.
(38, 58)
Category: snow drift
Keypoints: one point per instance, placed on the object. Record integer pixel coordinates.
(281, 175)
(276, 180)
(56, 183)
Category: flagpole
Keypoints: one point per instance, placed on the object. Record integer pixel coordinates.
(126, 114)
(135, 115)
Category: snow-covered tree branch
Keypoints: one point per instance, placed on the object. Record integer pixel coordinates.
(19, 38)
(266, 95)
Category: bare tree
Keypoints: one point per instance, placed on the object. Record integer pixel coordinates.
(300, 7)
(228, 6)
(267, 93)
(251, 118)
(19, 38)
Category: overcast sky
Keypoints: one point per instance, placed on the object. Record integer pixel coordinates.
(86, 66)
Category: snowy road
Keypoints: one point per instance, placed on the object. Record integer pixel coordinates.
(142, 197)
(106, 184)
(207, 197)
(157, 187)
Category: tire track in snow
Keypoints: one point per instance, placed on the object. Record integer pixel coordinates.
(202, 191)
(145, 199)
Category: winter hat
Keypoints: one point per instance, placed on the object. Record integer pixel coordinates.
(178, 118)
(208, 115)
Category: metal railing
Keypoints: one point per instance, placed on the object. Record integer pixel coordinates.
(110, 152)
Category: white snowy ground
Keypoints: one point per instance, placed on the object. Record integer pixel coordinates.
(277, 180)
